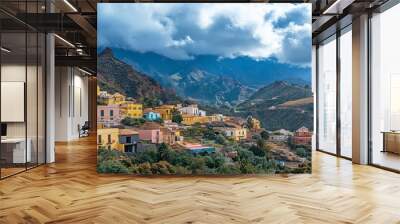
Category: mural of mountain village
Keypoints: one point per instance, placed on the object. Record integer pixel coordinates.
(159, 116)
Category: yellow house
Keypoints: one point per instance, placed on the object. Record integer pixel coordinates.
(165, 111)
(131, 109)
(108, 138)
(192, 119)
(116, 98)
(236, 133)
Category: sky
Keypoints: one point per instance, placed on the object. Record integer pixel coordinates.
(182, 31)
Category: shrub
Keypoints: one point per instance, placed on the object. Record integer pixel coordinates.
(301, 152)
(134, 122)
(111, 166)
(162, 167)
(264, 135)
(220, 140)
(145, 168)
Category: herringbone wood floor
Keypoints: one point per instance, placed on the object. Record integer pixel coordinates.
(70, 191)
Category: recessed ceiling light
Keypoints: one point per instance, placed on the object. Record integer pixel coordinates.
(70, 5)
(64, 40)
(84, 71)
(5, 50)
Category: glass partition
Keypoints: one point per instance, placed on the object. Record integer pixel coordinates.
(385, 89)
(327, 96)
(22, 101)
(346, 93)
(13, 92)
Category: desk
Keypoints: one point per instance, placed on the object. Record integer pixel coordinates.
(13, 150)
(391, 141)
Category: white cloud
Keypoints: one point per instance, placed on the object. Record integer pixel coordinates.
(182, 31)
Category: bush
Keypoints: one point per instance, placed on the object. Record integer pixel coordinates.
(162, 167)
(176, 117)
(111, 166)
(150, 155)
(209, 134)
(145, 168)
(133, 122)
(301, 152)
(198, 165)
(257, 151)
(264, 135)
(180, 170)
(220, 140)
(229, 169)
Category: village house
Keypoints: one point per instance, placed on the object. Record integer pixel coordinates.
(108, 138)
(237, 133)
(237, 121)
(150, 132)
(170, 136)
(165, 111)
(132, 109)
(192, 119)
(192, 110)
(151, 115)
(302, 136)
(109, 115)
(128, 140)
(116, 98)
(110, 99)
(280, 135)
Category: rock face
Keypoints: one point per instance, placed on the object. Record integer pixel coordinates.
(115, 75)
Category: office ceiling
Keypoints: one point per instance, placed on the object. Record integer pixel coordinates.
(75, 22)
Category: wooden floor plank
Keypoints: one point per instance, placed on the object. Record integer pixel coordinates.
(70, 191)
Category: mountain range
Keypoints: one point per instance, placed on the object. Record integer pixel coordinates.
(249, 72)
(115, 75)
(279, 104)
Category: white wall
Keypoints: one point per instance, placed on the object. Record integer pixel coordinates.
(71, 103)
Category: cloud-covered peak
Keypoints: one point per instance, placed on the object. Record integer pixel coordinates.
(183, 31)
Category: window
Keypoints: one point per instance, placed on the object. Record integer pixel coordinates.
(111, 113)
(346, 93)
(99, 139)
(102, 113)
(128, 139)
(385, 89)
(327, 95)
(109, 139)
(22, 72)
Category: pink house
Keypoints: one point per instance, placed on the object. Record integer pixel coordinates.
(150, 132)
(109, 115)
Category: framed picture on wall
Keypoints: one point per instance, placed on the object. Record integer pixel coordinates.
(204, 89)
